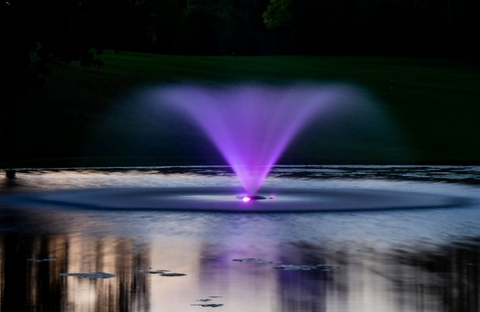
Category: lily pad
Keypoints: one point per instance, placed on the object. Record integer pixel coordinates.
(42, 260)
(95, 275)
(254, 260)
(208, 305)
(323, 267)
(173, 274)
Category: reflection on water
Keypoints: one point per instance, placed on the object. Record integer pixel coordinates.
(422, 260)
(214, 176)
(361, 280)
(448, 276)
(29, 285)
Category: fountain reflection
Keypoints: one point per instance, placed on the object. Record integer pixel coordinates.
(363, 276)
(385, 261)
(304, 290)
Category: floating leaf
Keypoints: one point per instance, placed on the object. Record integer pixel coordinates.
(208, 305)
(89, 275)
(209, 257)
(172, 274)
(253, 260)
(323, 267)
(42, 260)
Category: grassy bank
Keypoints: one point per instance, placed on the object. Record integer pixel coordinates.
(435, 103)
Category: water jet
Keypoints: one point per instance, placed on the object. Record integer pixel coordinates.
(252, 124)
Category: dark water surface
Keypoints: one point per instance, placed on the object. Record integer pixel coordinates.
(378, 260)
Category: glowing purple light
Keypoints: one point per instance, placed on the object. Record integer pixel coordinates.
(252, 125)
(246, 199)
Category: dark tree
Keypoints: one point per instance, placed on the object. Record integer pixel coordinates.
(220, 27)
(199, 37)
(241, 27)
(305, 25)
(33, 35)
(388, 27)
(166, 25)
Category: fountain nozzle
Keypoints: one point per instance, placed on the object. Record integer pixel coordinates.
(251, 197)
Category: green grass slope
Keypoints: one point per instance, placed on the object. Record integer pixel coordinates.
(435, 105)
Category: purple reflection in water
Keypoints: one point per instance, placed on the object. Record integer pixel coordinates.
(252, 124)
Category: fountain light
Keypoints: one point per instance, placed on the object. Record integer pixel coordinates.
(248, 198)
(251, 125)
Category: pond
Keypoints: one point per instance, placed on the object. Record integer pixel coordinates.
(56, 257)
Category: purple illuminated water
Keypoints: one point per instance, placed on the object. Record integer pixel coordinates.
(251, 125)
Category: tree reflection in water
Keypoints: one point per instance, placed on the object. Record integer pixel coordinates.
(443, 278)
(446, 278)
(27, 285)
(365, 275)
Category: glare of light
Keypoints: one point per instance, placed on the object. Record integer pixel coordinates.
(246, 199)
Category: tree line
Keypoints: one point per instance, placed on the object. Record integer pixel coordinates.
(447, 28)
(35, 33)
(252, 27)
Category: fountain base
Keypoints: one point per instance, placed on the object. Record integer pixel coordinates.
(253, 197)
(221, 200)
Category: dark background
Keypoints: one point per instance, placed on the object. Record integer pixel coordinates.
(37, 35)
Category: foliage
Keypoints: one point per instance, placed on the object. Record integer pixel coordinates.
(164, 25)
(392, 27)
(200, 32)
(35, 34)
(278, 13)
(433, 101)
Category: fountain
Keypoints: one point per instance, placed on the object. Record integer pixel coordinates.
(107, 238)
(252, 125)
